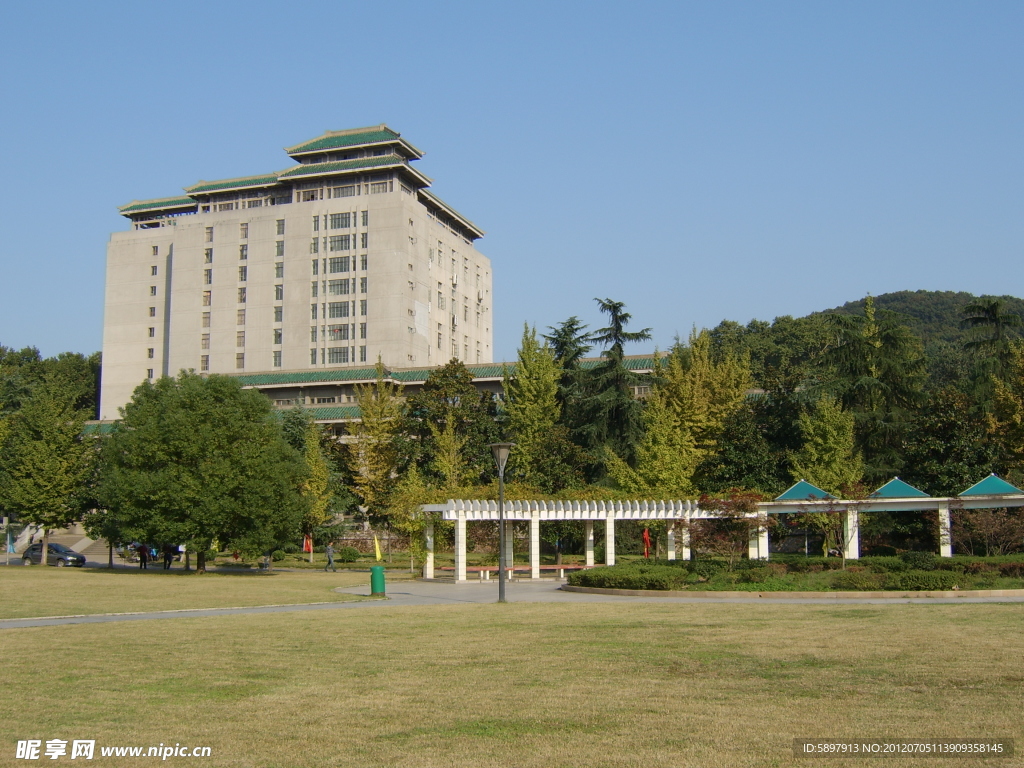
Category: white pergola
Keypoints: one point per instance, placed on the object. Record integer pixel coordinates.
(462, 511)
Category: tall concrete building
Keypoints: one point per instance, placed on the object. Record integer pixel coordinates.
(338, 259)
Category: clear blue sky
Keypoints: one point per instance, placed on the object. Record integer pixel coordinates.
(696, 160)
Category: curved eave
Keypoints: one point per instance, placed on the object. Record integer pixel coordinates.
(171, 204)
(435, 200)
(414, 152)
(294, 174)
(233, 185)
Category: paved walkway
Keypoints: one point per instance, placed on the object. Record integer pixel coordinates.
(447, 593)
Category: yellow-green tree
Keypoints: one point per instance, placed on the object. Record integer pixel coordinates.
(531, 406)
(1007, 419)
(316, 487)
(828, 458)
(374, 454)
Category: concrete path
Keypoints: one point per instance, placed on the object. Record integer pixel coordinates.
(447, 593)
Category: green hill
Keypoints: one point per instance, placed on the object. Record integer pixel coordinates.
(932, 315)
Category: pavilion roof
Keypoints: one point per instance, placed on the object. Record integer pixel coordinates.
(992, 486)
(804, 491)
(898, 489)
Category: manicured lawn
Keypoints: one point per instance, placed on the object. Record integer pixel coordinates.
(523, 685)
(37, 591)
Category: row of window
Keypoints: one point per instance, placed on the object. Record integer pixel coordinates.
(340, 220)
(339, 287)
(336, 264)
(243, 231)
(342, 332)
(329, 355)
(337, 309)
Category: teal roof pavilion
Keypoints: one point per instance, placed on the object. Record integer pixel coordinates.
(804, 491)
(992, 486)
(897, 489)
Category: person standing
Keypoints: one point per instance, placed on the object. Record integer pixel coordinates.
(329, 551)
(168, 558)
(143, 557)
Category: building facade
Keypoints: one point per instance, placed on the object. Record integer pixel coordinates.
(341, 258)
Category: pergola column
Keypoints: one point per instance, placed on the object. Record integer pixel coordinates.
(588, 528)
(428, 542)
(851, 533)
(460, 545)
(684, 539)
(757, 547)
(671, 535)
(609, 541)
(509, 560)
(534, 544)
(945, 531)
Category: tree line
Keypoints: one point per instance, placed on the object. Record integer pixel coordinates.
(843, 400)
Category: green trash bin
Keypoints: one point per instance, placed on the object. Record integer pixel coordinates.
(376, 581)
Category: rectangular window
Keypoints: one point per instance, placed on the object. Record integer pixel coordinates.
(207, 277)
(362, 307)
(337, 354)
(149, 373)
(314, 288)
(337, 264)
(240, 360)
(364, 238)
(337, 332)
(279, 248)
(204, 341)
(362, 262)
(152, 271)
(204, 362)
(338, 287)
(316, 223)
(208, 256)
(366, 218)
(241, 295)
(152, 311)
(277, 359)
(337, 309)
(313, 310)
(326, 400)
(312, 333)
(156, 250)
(362, 330)
(312, 357)
(209, 234)
(438, 339)
(152, 333)
(240, 317)
(240, 339)
(278, 293)
(152, 290)
(150, 353)
(243, 231)
(349, 191)
(314, 245)
(316, 266)
(243, 251)
(243, 273)
(255, 204)
(206, 319)
(362, 354)
(340, 243)
(207, 298)
(440, 300)
(278, 314)
(279, 269)
(377, 187)
(280, 226)
(362, 285)
(278, 335)
(341, 220)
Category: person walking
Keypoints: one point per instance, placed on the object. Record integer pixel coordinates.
(144, 557)
(329, 551)
(168, 558)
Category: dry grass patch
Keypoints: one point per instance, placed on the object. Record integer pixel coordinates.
(36, 591)
(526, 685)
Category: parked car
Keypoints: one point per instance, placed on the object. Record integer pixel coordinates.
(58, 555)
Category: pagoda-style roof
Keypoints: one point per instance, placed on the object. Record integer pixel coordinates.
(992, 486)
(435, 200)
(263, 180)
(897, 489)
(804, 491)
(341, 166)
(352, 138)
(163, 203)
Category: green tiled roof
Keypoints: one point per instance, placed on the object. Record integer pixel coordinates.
(991, 486)
(803, 491)
(897, 489)
(307, 377)
(336, 141)
(343, 165)
(151, 205)
(333, 413)
(248, 181)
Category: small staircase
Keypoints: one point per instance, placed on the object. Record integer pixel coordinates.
(74, 538)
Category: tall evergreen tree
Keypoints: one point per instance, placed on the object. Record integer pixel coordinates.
(374, 455)
(828, 458)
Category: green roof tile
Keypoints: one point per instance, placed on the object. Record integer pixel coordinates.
(264, 180)
(343, 165)
(306, 377)
(897, 489)
(151, 205)
(991, 486)
(804, 491)
(335, 413)
(344, 140)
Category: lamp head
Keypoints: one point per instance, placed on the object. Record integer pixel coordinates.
(500, 452)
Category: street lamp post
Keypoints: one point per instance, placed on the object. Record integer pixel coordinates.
(500, 452)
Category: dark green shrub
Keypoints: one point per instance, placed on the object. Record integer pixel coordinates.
(754, 575)
(277, 555)
(211, 555)
(705, 569)
(630, 576)
(919, 561)
(923, 581)
(347, 555)
(1012, 570)
(883, 551)
(885, 564)
(857, 581)
(978, 566)
(291, 548)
